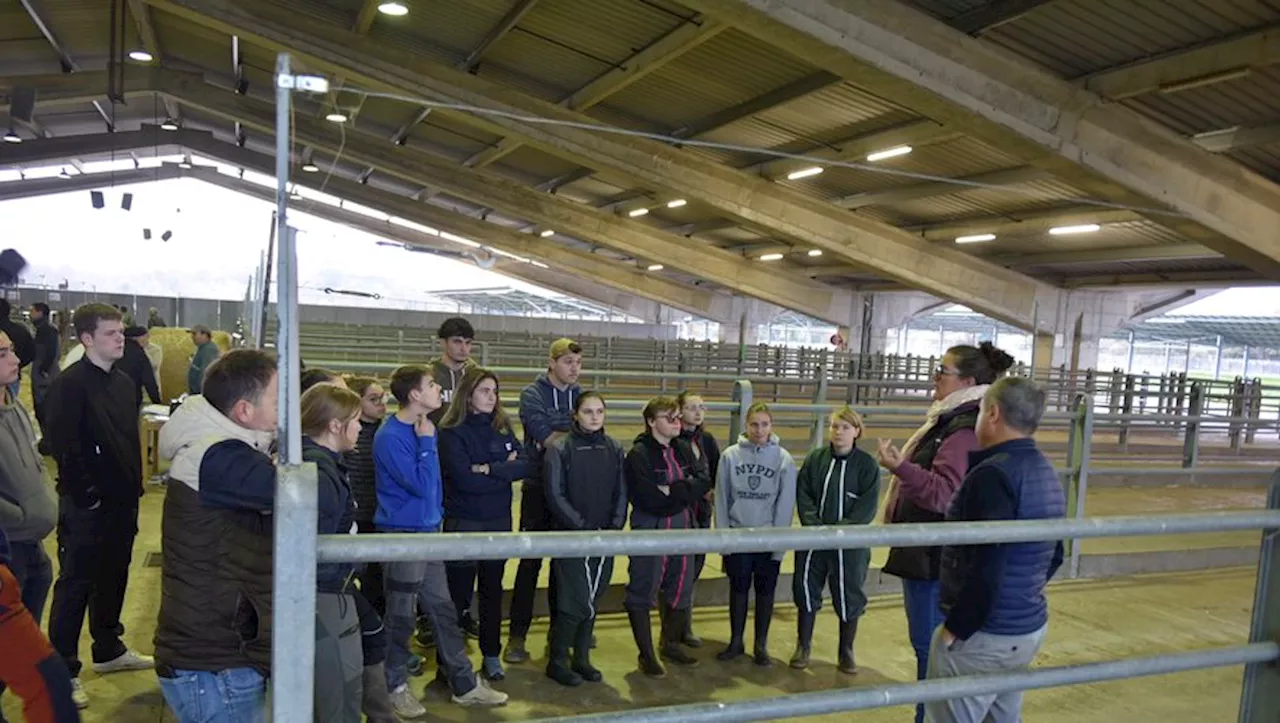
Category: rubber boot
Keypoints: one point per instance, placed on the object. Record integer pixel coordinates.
(642, 631)
(559, 641)
(672, 630)
(848, 632)
(737, 627)
(687, 637)
(582, 652)
(375, 700)
(764, 616)
(804, 639)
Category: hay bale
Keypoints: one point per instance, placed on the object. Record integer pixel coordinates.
(178, 351)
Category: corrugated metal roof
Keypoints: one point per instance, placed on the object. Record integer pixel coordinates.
(722, 72)
(1076, 37)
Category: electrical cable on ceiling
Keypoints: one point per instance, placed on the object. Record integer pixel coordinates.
(739, 148)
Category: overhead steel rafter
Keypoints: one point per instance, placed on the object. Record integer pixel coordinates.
(1187, 68)
(883, 249)
(994, 14)
(1102, 148)
(1232, 139)
(684, 37)
(468, 64)
(927, 189)
(364, 145)
(14, 190)
(36, 12)
(151, 43)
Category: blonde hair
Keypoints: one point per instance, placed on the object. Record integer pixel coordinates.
(760, 408)
(324, 403)
(847, 414)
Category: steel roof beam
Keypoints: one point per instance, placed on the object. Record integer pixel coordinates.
(1102, 148)
(1025, 223)
(927, 189)
(1187, 68)
(884, 249)
(994, 14)
(14, 190)
(497, 32)
(684, 37)
(1232, 139)
(35, 11)
(634, 238)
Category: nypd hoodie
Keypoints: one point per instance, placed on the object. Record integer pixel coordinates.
(756, 486)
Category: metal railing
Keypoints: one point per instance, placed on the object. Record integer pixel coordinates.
(1261, 691)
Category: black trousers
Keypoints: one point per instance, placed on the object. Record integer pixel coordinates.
(484, 576)
(534, 517)
(371, 579)
(95, 547)
(752, 569)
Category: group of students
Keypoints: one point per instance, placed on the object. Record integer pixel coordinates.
(448, 459)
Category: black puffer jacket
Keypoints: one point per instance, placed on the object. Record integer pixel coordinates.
(337, 510)
(586, 488)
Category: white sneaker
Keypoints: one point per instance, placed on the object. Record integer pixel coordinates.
(78, 696)
(405, 705)
(128, 660)
(481, 695)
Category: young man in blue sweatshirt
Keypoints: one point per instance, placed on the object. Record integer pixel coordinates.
(546, 413)
(410, 499)
(993, 595)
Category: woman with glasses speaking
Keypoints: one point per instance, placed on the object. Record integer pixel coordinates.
(927, 471)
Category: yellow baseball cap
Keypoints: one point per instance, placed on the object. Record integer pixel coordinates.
(560, 347)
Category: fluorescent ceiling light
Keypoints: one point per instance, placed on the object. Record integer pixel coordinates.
(638, 212)
(310, 168)
(1069, 230)
(395, 9)
(336, 117)
(184, 166)
(676, 203)
(655, 267)
(169, 124)
(141, 56)
(815, 252)
(804, 173)
(889, 153)
(975, 238)
(771, 257)
(547, 233)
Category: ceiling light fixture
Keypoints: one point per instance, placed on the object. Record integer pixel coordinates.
(141, 56)
(804, 173)
(547, 233)
(336, 117)
(310, 168)
(656, 267)
(676, 203)
(1070, 230)
(394, 9)
(815, 252)
(169, 124)
(771, 257)
(975, 238)
(12, 137)
(889, 153)
(638, 212)
(63, 173)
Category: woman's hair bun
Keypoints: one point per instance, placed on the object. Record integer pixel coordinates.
(1000, 360)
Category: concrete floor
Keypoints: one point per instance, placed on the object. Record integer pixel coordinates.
(1092, 621)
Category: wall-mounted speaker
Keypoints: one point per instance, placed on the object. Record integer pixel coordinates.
(126, 201)
(98, 200)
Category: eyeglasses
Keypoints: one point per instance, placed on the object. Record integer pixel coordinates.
(673, 418)
(942, 371)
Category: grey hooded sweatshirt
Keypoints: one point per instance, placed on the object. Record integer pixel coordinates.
(756, 486)
(28, 507)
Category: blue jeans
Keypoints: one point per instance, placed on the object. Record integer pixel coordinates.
(237, 695)
(920, 597)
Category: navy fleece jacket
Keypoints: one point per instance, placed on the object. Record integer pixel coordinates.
(471, 495)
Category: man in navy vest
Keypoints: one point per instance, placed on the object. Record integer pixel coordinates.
(993, 595)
